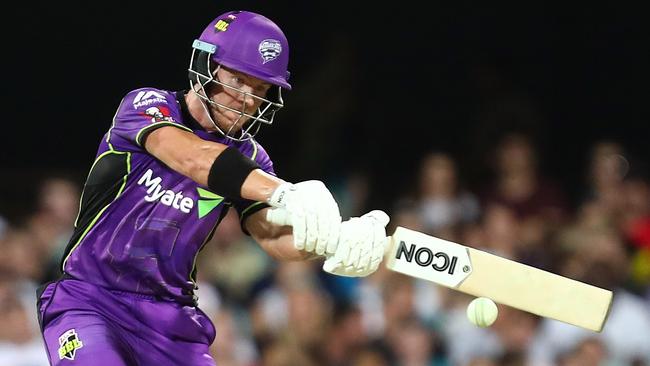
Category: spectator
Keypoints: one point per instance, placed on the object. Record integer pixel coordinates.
(271, 308)
(232, 346)
(346, 336)
(596, 255)
(21, 255)
(20, 342)
(634, 222)
(53, 221)
(520, 184)
(537, 201)
(606, 169)
(444, 204)
(413, 344)
(229, 248)
(591, 351)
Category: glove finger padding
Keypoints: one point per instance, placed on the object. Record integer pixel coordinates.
(368, 232)
(335, 263)
(361, 246)
(334, 234)
(312, 212)
(331, 264)
(311, 230)
(330, 227)
(378, 253)
(378, 215)
(380, 241)
(278, 216)
(322, 209)
(299, 224)
(325, 226)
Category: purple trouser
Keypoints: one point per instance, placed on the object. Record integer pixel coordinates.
(84, 324)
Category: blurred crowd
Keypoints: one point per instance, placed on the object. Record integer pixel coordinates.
(270, 313)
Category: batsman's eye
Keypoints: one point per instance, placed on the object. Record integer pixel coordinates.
(236, 82)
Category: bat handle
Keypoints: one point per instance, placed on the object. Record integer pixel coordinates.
(278, 216)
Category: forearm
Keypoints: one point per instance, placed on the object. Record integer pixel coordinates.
(195, 158)
(259, 185)
(282, 248)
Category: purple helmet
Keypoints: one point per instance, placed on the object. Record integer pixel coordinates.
(251, 44)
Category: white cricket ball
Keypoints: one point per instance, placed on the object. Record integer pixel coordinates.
(482, 312)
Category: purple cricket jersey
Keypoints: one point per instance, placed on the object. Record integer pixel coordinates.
(141, 224)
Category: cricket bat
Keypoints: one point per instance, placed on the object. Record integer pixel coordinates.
(481, 274)
(505, 281)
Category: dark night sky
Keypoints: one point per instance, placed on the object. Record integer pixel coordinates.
(374, 88)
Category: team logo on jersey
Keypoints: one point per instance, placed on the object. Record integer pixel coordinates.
(144, 98)
(167, 197)
(270, 49)
(208, 201)
(69, 343)
(158, 114)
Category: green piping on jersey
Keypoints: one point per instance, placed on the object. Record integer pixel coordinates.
(157, 125)
(99, 214)
(108, 135)
(90, 171)
(205, 241)
(128, 171)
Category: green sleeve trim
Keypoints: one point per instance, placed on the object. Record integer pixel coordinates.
(99, 214)
(156, 125)
(249, 208)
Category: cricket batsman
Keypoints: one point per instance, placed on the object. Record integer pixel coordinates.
(166, 172)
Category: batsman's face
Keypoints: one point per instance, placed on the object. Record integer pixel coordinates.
(237, 97)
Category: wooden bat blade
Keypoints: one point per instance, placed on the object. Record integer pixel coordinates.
(505, 281)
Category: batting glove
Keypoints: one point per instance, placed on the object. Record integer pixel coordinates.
(309, 207)
(361, 246)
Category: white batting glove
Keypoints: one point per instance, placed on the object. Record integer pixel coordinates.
(311, 210)
(361, 246)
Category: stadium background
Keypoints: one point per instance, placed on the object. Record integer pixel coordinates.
(375, 90)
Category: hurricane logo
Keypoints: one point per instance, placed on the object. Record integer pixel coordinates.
(270, 49)
(159, 114)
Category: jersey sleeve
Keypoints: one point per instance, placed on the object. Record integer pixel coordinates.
(141, 112)
(245, 208)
